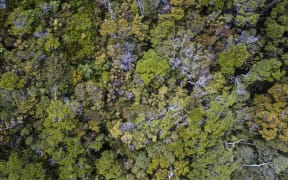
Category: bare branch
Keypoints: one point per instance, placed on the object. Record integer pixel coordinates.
(10, 127)
(111, 10)
(140, 6)
(241, 141)
(256, 165)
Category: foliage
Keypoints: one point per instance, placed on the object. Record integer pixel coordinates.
(108, 166)
(205, 129)
(51, 44)
(280, 164)
(138, 28)
(144, 89)
(215, 164)
(161, 32)
(271, 113)
(19, 168)
(275, 27)
(10, 81)
(246, 12)
(108, 28)
(151, 66)
(268, 70)
(20, 22)
(232, 58)
(79, 36)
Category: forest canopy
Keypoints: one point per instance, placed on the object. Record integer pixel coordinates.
(143, 89)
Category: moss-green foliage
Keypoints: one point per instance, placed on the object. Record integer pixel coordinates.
(270, 113)
(211, 123)
(162, 159)
(20, 21)
(108, 27)
(251, 19)
(280, 164)
(232, 58)
(215, 164)
(265, 158)
(206, 127)
(58, 112)
(274, 30)
(108, 166)
(139, 29)
(58, 123)
(151, 67)
(215, 5)
(159, 128)
(71, 164)
(10, 81)
(149, 7)
(246, 12)
(79, 35)
(269, 70)
(141, 163)
(19, 168)
(143, 89)
(161, 32)
(52, 43)
(85, 70)
(285, 58)
(216, 83)
(266, 70)
(275, 27)
(58, 134)
(181, 168)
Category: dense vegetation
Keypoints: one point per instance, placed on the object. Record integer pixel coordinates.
(144, 89)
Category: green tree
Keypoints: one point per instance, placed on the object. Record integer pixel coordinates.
(217, 163)
(10, 81)
(161, 32)
(232, 58)
(20, 21)
(108, 166)
(265, 70)
(151, 66)
(19, 168)
(79, 36)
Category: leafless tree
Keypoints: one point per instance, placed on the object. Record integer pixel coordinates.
(140, 6)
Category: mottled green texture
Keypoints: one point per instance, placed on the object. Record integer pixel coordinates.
(18, 168)
(143, 89)
(215, 164)
(275, 28)
(108, 166)
(79, 35)
(266, 70)
(161, 32)
(10, 81)
(232, 58)
(151, 66)
(20, 21)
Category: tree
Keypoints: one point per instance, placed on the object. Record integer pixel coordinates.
(270, 113)
(20, 22)
(232, 58)
(265, 70)
(161, 32)
(79, 36)
(10, 81)
(217, 163)
(108, 166)
(151, 66)
(19, 168)
(275, 27)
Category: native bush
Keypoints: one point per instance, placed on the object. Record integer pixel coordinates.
(232, 58)
(151, 66)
